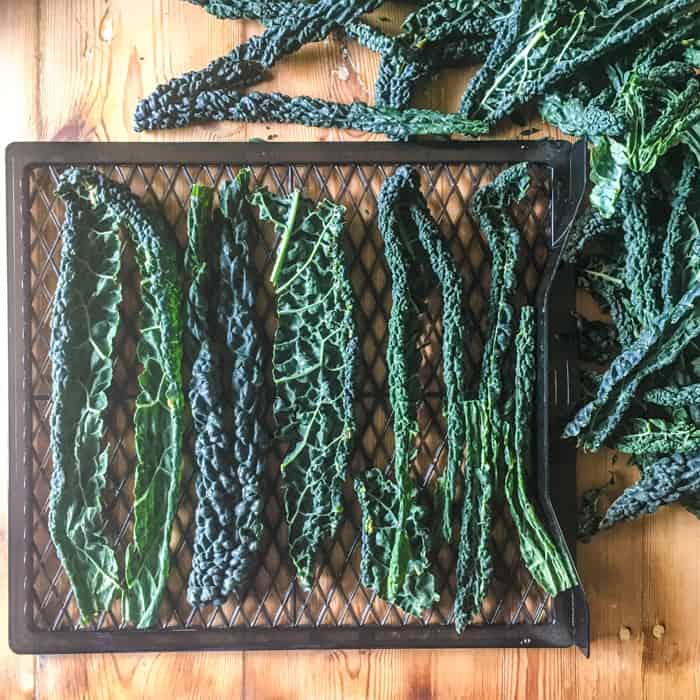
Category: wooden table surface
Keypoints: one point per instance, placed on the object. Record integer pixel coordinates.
(74, 69)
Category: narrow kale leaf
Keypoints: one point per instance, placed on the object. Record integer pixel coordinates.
(485, 460)
(396, 554)
(252, 107)
(658, 346)
(229, 462)
(549, 567)
(173, 103)
(456, 325)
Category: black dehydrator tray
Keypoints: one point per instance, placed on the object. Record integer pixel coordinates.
(276, 613)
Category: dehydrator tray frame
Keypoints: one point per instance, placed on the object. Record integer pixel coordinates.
(38, 626)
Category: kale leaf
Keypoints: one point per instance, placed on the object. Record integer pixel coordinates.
(160, 401)
(314, 358)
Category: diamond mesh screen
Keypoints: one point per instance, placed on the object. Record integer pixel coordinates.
(274, 600)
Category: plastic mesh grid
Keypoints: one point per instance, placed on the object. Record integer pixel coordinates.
(274, 599)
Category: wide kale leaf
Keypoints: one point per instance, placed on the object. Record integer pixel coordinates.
(159, 403)
(314, 357)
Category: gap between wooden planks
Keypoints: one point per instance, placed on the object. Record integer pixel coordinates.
(74, 69)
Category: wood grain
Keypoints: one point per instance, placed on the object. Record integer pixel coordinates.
(101, 677)
(74, 69)
(18, 52)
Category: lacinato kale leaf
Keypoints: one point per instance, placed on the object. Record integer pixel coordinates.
(175, 102)
(159, 404)
(544, 42)
(657, 436)
(667, 480)
(396, 556)
(659, 345)
(314, 358)
(485, 460)
(674, 396)
(83, 326)
(549, 567)
(229, 461)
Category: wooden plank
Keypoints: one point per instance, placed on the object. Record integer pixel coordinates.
(380, 675)
(613, 572)
(19, 119)
(671, 642)
(124, 676)
(545, 674)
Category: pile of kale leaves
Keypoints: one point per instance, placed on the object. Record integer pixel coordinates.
(623, 74)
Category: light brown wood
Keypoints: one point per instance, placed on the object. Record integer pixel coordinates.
(18, 42)
(73, 69)
(101, 677)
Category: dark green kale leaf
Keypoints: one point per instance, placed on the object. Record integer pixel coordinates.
(680, 262)
(175, 103)
(83, 326)
(160, 402)
(657, 436)
(667, 480)
(243, 341)
(440, 33)
(474, 560)
(641, 265)
(404, 577)
(484, 468)
(212, 451)
(674, 396)
(314, 358)
(659, 345)
(490, 206)
(251, 107)
(545, 42)
(455, 327)
(229, 463)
